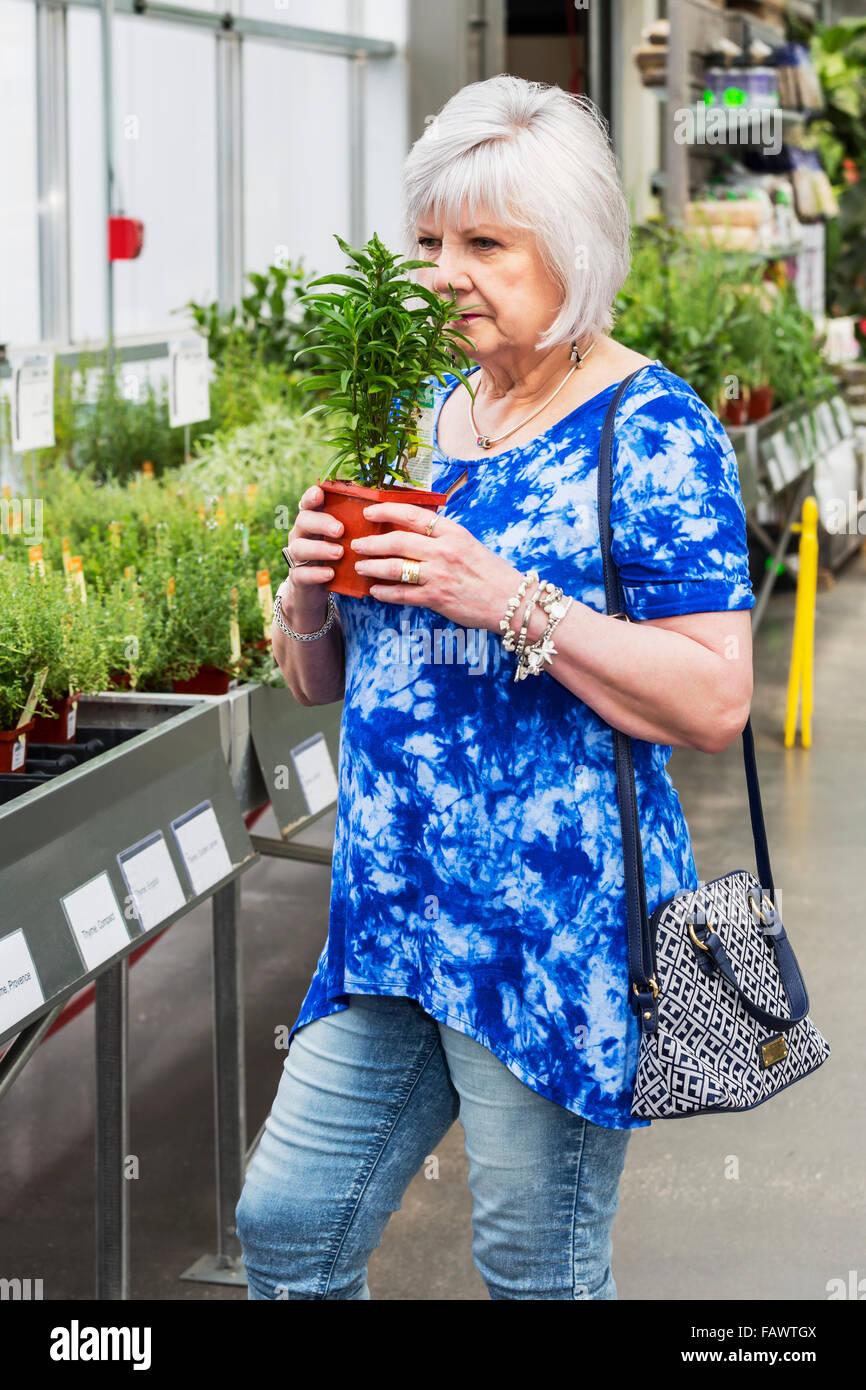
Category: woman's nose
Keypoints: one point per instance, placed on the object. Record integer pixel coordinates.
(449, 271)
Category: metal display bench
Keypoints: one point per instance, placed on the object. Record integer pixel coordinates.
(779, 465)
(189, 752)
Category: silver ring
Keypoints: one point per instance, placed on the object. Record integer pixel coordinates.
(296, 564)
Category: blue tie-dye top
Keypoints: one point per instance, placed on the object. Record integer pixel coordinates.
(477, 856)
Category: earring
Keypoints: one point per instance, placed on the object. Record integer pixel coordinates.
(575, 355)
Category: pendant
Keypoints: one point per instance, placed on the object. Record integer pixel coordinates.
(483, 441)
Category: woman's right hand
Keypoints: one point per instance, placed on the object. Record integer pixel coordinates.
(314, 543)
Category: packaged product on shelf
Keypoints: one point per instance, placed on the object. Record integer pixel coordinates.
(769, 12)
(799, 87)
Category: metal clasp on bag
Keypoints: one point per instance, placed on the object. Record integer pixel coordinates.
(770, 924)
(653, 984)
(691, 930)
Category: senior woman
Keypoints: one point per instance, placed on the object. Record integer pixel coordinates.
(476, 963)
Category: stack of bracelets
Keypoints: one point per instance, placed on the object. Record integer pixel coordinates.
(549, 598)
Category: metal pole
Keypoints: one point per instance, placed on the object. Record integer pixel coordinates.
(676, 190)
(766, 589)
(230, 1120)
(52, 173)
(106, 16)
(111, 1029)
(594, 55)
(230, 181)
(357, 136)
(229, 1075)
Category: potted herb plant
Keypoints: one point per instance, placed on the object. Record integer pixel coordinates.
(81, 665)
(381, 338)
(29, 642)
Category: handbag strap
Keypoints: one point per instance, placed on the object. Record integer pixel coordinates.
(641, 955)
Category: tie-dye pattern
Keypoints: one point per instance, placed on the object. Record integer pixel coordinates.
(477, 855)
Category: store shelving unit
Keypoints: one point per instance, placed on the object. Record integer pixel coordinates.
(167, 758)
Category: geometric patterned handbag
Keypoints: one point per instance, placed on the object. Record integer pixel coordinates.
(721, 1000)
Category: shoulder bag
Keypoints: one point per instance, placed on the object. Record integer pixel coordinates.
(713, 979)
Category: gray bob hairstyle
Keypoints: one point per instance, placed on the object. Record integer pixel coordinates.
(532, 156)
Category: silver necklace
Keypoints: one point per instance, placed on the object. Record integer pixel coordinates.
(485, 442)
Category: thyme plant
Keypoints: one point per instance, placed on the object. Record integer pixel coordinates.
(381, 339)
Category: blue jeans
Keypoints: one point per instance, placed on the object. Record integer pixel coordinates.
(365, 1096)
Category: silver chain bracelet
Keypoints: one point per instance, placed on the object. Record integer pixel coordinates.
(303, 636)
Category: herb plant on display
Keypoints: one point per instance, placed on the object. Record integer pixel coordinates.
(383, 337)
(25, 638)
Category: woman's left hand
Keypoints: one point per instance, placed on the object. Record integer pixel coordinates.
(459, 578)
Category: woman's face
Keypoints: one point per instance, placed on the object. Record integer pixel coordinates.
(496, 272)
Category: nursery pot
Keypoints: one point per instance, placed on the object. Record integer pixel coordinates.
(760, 402)
(62, 729)
(13, 747)
(346, 501)
(120, 680)
(737, 411)
(208, 680)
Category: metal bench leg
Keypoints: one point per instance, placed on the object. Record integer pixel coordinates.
(111, 1029)
(225, 1266)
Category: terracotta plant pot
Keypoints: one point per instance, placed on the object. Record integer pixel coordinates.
(62, 729)
(208, 680)
(347, 501)
(737, 411)
(760, 402)
(13, 747)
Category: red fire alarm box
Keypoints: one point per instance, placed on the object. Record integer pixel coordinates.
(125, 238)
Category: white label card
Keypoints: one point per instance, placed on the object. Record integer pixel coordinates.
(33, 402)
(19, 752)
(152, 880)
(202, 846)
(20, 990)
(188, 389)
(315, 769)
(97, 922)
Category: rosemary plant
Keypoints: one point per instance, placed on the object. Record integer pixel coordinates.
(381, 339)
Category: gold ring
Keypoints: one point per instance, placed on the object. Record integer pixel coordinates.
(411, 571)
(429, 530)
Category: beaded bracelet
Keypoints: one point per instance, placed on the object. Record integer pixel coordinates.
(527, 615)
(548, 597)
(531, 660)
(505, 623)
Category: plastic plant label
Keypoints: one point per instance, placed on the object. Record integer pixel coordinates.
(76, 577)
(32, 398)
(234, 630)
(152, 880)
(266, 599)
(71, 721)
(30, 702)
(188, 389)
(19, 752)
(20, 990)
(419, 459)
(202, 847)
(96, 920)
(315, 769)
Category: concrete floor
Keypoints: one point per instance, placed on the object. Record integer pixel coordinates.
(790, 1221)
